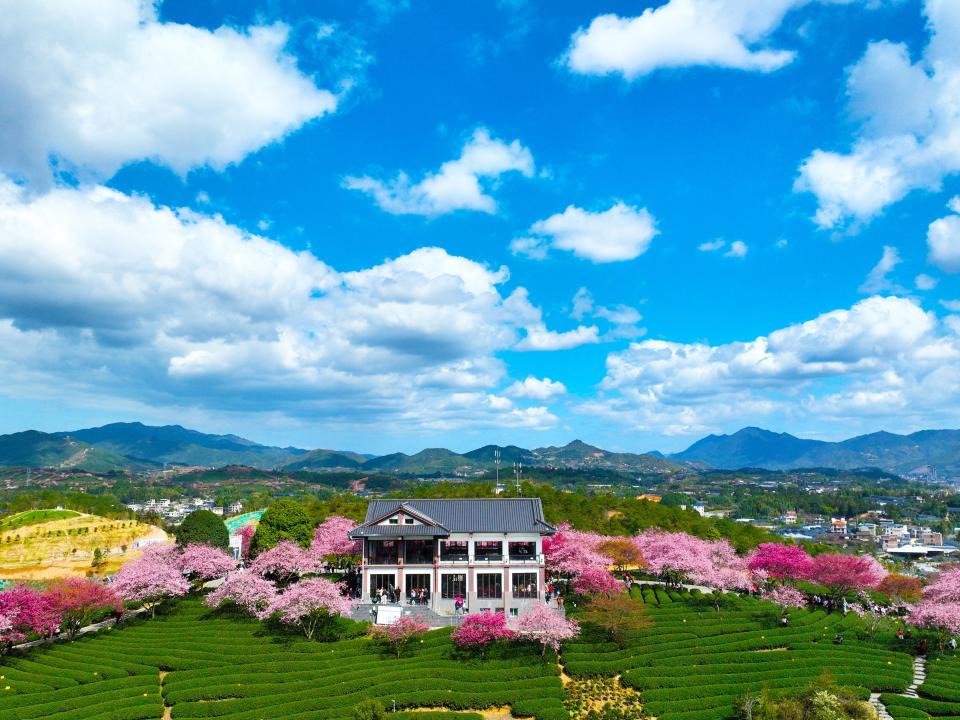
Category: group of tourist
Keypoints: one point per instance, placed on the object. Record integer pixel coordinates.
(419, 596)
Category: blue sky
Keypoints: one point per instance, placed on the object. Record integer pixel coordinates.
(634, 223)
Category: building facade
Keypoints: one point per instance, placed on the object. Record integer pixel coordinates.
(487, 551)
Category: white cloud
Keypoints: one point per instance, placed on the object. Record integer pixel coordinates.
(460, 184)
(736, 249)
(712, 245)
(536, 388)
(908, 137)
(96, 84)
(622, 232)
(943, 240)
(732, 34)
(925, 282)
(877, 280)
(624, 319)
(112, 299)
(884, 355)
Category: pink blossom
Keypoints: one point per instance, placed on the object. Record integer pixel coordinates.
(246, 590)
(544, 625)
(246, 535)
(331, 538)
(150, 579)
(77, 600)
(679, 556)
(781, 561)
(309, 603)
(940, 605)
(785, 596)
(576, 554)
(842, 573)
(26, 611)
(284, 562)
(202, 562)
(399, 634)
(480, 629)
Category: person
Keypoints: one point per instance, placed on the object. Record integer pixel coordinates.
(952, 643)
(458, 605)
(784, 621)
(413, 596)
(838, 639)
(900, 634)
(923, 646)
(909, 633)
(559, 602)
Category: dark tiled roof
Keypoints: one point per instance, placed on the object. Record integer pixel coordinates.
(513, 515)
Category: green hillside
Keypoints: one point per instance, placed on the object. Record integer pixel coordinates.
(32, 448)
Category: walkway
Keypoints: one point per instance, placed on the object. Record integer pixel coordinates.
(919, 675)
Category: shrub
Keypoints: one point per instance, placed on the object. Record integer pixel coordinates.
(369, 710)
(202, 527)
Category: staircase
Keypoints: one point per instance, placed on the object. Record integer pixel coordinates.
(419, 612)
(919, 675)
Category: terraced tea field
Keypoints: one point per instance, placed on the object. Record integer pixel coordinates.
(193, 663)
(202, 664)
(694, 662)
(940, 694)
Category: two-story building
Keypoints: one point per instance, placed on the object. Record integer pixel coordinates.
(487, 551)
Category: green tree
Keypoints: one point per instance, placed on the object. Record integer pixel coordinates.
(285, 519)
(205, 528)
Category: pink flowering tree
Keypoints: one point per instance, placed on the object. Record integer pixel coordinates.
(285, 562)
(24, 611)
(202, 563)
(246, 590)
(478, 631)
(310, 604)
(246, 536)
(331, 541)
(400, 634)
(785, 596)
(150, 580)
(578, 555)
(544, 625)
(678, 557)
(781, 562)
(939, 606)
(78, 601)
(843, 573)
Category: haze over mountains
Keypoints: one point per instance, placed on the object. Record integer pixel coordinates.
(134, 446)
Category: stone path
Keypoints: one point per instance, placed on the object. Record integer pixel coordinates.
(919, 675)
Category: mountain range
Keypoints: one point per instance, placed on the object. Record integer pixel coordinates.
(135, 446)
(925, 452)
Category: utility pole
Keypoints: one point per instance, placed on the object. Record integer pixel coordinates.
(496, 462)
(518, 472)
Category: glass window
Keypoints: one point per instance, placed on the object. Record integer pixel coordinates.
(523, 550)
(383, 552)
(417, 582)
(408, 521)
(489, 585)
(453, 549)
(419, 551)
(453, 584)
(488, 550)
(393, 521)
(380, 581)
(524, 585)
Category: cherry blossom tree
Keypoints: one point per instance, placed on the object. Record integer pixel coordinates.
(783, 562)
(479, 630)
(150, 580)
(203, 562)
(785, 596)
(284, 562)
(78, 600)
(248, 591)
(309, 604)
(577, 555)
(843, 573)
(398, 635)
(246, 535)
(544, 625)
(25, 611)
(939, 607)
(331, 540)
(677, 556)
